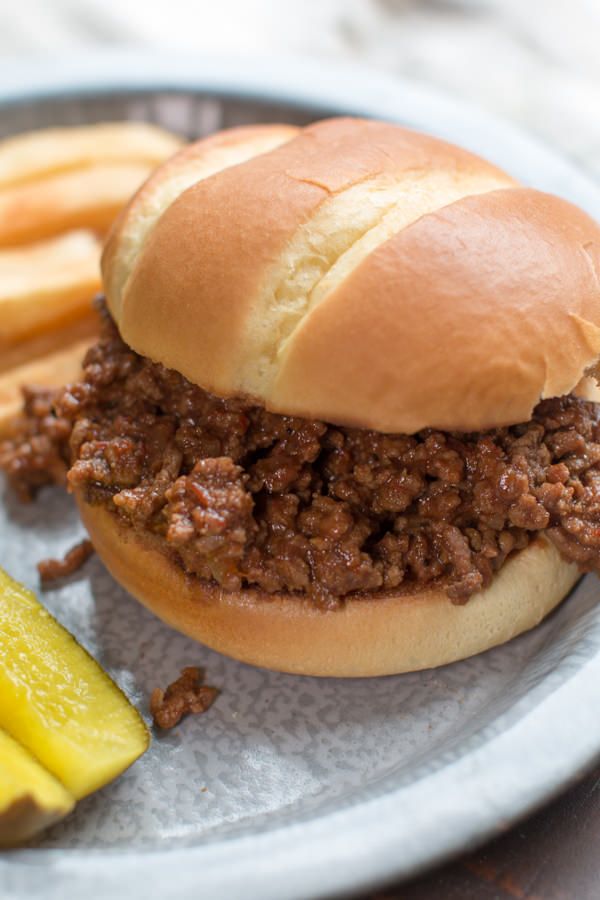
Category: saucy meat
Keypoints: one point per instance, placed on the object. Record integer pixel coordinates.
(39, 454)
(53, 569)
(243, 497)
(187, 695)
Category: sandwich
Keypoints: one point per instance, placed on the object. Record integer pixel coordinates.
(340, 420)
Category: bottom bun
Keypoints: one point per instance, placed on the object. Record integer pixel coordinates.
(373, 635)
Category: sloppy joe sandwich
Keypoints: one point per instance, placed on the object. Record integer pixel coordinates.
(336, 422)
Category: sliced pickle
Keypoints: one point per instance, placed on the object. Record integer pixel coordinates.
(58, 702)
(30, 797)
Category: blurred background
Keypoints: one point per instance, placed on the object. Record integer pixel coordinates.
(533, 61)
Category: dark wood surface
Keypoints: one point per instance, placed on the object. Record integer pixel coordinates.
(553, 855)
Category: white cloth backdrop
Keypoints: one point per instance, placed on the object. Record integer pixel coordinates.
(535, 61)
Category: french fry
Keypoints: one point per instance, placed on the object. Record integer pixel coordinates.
(49, 342)
(83, 198)
(60, 190)
(57, 368)
(39, 154)
(47, 284)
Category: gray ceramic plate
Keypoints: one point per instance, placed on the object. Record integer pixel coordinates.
(295, 787)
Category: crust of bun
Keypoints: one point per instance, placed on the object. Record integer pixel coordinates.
(192, 164)
(500, 301)
(360, 273)
(370, 636)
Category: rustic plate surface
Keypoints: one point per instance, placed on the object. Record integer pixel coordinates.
(294, 787)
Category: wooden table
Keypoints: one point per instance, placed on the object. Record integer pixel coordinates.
(553, 855)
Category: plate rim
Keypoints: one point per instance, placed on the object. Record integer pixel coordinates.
(370, 824)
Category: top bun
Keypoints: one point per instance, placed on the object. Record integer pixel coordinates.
(360, 273)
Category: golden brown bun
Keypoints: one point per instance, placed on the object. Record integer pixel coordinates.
(193, 163)
(360, 273)
(366, 637)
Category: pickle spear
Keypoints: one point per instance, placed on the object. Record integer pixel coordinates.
(30, 798)
(56, 700)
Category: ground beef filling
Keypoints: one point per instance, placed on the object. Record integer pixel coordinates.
(243, 497)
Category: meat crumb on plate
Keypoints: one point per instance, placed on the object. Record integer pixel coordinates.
(185, 695)
(52, 569)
